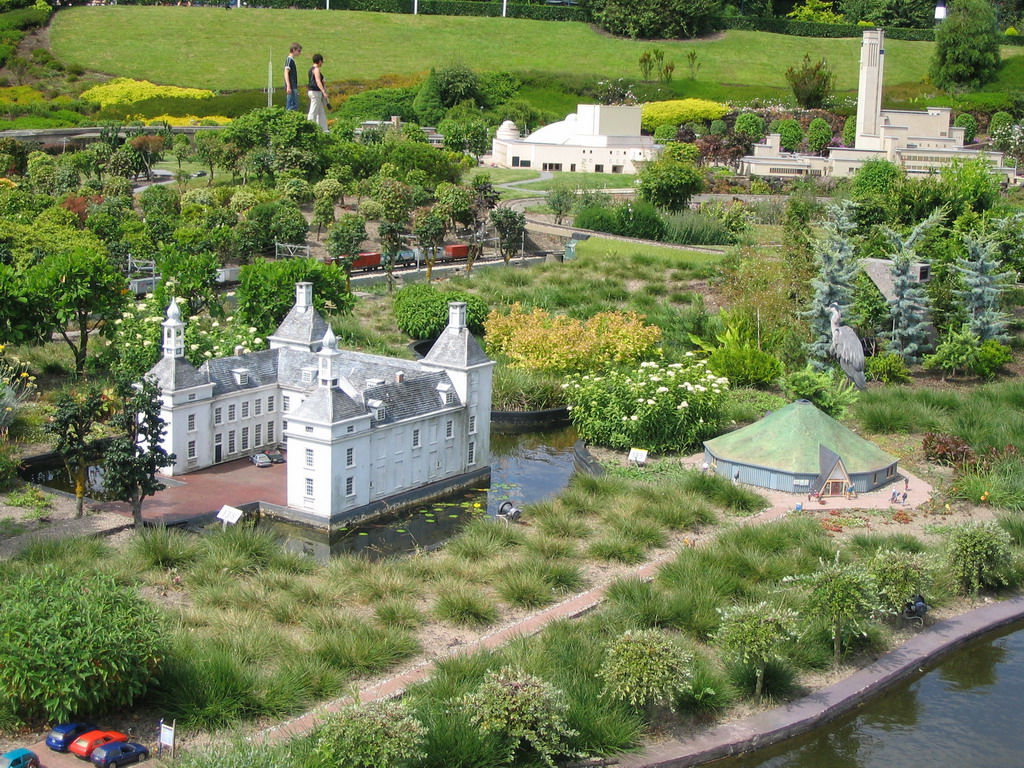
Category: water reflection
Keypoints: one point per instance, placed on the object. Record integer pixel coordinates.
(964, 713)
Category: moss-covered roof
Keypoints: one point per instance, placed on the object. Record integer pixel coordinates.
(788, 440)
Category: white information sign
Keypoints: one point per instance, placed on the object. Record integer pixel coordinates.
(230, 514)
(637, 456)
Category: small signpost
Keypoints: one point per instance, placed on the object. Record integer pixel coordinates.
(229, 514)
(637, 457)
(165, 739)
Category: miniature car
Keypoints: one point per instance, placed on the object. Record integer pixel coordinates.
(119, 753)
(87, 742)
(261, 460)
(275, 456)
(19, 758)
(60, 738)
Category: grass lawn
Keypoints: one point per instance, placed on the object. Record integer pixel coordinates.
(206, 47)
(589, 180)
(501, 175)
(667, 256)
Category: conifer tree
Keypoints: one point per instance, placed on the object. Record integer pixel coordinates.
(984, 280)
(834, 283)
(908, 337)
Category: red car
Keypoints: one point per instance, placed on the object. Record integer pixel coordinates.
(87, 742)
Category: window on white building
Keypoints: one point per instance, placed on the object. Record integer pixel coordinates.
(472, 425)
(309, 457)
(257, 435)
(245, 438)
(471, 454)
(309, 487)
(350, 486)
(285, 403)
(192, 396)
(416, 438)
(191, 422)
(350, 457)
(270, 404)
(218, 415)
(245, 409)
(449, 429)
(231, 412)
(231, 441)
(270, 431)
(309, 429)
(257, 408)
(191, 449)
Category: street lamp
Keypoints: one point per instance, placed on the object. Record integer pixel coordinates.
(940, 11)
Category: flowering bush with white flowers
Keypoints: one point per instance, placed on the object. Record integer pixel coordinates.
(136, 343)
(657, 406)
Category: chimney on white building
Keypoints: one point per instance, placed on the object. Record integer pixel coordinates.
(303, 295)
(399, 377)
(457, 315)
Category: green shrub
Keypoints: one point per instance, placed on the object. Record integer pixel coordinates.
(750, 125)
(679, 111)
(828, 390)
(888, 368)
(464, 605)
(978, 555)
(812, 83)
(898, 576)
(377, 734)
(519, 389)
(999, 121)
(111, 642)
(966, 121)
(658, 407)
(643, 667)
(665, 133)
(688, 227)
(10, 459)
(421, 310)
(791, 135)
(819, 135)
(850, 131)
(745, 366)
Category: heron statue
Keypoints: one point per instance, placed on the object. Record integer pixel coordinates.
(847, 348)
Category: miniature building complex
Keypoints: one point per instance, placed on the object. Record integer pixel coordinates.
(800, 449)
(920, 142)
(363, 432)
(596, 139)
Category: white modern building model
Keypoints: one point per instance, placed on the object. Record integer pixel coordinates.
(363, 432)
(920, 142)
(595, 139)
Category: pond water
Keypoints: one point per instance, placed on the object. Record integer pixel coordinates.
(965, 713)
(525, 468)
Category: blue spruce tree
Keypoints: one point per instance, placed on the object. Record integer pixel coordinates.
(908, 337)
(834, 283)
(984, 281)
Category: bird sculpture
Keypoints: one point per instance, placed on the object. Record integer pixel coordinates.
(847, 348)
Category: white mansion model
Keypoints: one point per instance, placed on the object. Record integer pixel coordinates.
(595, 139)
(920, 142)
(362, 431)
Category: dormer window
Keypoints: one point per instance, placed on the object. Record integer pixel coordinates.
(447, 393)
(308, 374)
(241, 376)
(378, 409)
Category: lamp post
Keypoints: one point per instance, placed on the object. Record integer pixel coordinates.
(940, 11)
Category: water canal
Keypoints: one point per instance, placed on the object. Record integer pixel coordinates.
(965, 712)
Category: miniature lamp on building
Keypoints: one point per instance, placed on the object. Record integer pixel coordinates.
(940, 11)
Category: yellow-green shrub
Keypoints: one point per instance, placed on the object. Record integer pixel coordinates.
(20, 94)
(124, 90)
(679, 111)
(188, 120)
(558, 344)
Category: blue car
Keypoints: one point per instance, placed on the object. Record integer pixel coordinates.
(19, 758)
(119, 753)
(60, 738)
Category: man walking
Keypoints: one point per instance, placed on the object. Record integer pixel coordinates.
(291, 78)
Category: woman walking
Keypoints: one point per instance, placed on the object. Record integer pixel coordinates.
(317, 94)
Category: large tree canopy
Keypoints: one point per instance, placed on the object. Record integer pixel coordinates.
(657, 18)
(966, 46)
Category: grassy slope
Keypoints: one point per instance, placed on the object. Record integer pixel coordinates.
(213, 48)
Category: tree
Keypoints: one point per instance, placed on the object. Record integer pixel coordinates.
(377, 734)
(521, 707)
(645, 666)
(73, 424)
(979, 555)
(191, 277)
(819, 135)
(561, 198)
(834, 282)
(966, 47)
(812, 83)
(429, 226)
(657, 19)
(898, 576)
(511, 226)
(483, 199)
(843, 594)
(133, 458)
(754, 634)
(908, 337)
(343, 242)
(984, 284)
(669, 183)
(77, 291)
(209, 150)
(266, 291)
(392, 236)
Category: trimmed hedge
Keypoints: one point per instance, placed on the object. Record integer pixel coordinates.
(783, 26)
(24, 18)
(538, 11)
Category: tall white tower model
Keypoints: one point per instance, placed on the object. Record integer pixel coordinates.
(869, 91)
